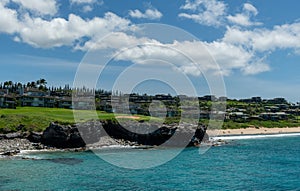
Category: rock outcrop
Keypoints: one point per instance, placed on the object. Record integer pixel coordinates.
(168, 135)
(80, 135)
(62, 136)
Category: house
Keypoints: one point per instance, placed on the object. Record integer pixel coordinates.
(218, 115)
(238, 116)
(252, 100)
(32, 101)
(84, 103)
(65, 102)
(8, 101)
(3, 91)
(50, 101)
(204, 114)
(274, 116)
(172, 112)
(223, 98)
(277, 101)
(34, 92)
(208, 98)
(272, 108)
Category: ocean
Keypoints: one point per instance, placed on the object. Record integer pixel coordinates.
(249, 163)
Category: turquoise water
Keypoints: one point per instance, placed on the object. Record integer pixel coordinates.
(251, 164)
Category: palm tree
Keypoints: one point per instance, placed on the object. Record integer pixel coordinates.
(6, 84)
(41, 83)
(33, 84)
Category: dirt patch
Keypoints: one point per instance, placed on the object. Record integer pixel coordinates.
(128, 117)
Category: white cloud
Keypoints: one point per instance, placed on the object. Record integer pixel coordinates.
(206, 12)
(244, 19)
(227, 56)
(191, 5)
(42, 7)
(151, 14)
(9, 19)
(87, 8)
(214, 13)
(237, 50)
(250, 8)
(64, 32)
(87, 5)
(285, 36)
(83, 1)
(255, 68)
(115, 40)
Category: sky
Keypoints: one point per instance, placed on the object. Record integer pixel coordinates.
(235, 48)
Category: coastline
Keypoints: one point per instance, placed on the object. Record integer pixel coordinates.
(254, 131)
(11, 147)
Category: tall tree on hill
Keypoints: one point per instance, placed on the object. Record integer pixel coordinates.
(32, 84)
(41, 84)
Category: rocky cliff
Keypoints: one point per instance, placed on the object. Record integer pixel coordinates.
(129, 132)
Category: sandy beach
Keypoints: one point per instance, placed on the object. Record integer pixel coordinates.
(254, 131)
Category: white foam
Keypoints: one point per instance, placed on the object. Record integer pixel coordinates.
(238, 137)
(118, 146)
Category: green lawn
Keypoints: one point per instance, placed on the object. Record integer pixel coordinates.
(38, 118)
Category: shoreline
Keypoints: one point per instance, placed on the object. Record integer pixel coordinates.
(253, 131)
(11, 147)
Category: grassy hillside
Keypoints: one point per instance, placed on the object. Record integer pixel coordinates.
(38, 118)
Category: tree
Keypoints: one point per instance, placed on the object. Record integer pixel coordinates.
(33, 84)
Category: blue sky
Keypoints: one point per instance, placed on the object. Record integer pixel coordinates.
(256, 44)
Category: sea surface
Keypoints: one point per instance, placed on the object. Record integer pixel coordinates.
(249, 163)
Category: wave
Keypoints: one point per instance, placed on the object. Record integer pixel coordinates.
(116, 147)
(238, 137)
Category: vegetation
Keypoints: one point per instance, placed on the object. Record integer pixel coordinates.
(241, 113)
(38, 118)
(257, 124)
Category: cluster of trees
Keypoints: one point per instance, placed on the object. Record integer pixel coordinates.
(41, 84)
(14, 86)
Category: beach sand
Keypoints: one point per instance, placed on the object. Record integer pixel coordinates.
(254, 131)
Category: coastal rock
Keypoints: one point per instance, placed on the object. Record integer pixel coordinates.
(61, 136)
(2, 136)
(35, 137)
(168, 135)
(90, 131)
(13, 146)
(104, 133)
(199, 136)
(11, 153)
(13, 135)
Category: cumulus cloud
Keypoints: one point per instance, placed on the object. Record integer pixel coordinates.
(9, 19)
(206, 12)
(244, 18)
(215, 57)
(115, 40)
(60, 32)
(214, 13)
(285, 36)
(152, 14)
(237, 50)
(255, 68)
(44, 7)
(57, 32)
